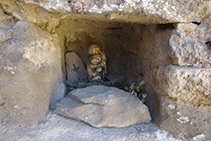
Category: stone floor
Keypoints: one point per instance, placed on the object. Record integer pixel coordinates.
(58, 128)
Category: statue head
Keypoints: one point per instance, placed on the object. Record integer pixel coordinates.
(94, 49)
(95, 59)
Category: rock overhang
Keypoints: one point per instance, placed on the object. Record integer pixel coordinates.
(135, 11)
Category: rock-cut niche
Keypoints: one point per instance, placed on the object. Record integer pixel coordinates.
(132, 50)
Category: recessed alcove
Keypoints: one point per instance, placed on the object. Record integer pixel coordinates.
(133, 50)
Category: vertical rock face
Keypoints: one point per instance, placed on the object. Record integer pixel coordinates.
(184, 83)
(189, 76)
(185, 118)
(30, 69)
(189, 48)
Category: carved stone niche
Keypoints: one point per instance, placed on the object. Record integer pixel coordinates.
(173, 59)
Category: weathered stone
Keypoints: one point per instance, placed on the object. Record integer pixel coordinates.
(145, 11)
(184, 119)
(30, 68)
(80, 72)
(189, 46)
(185, 83)
(181, 79)
(149, 11)
(102, 106)
(5, 35)
(58, 94)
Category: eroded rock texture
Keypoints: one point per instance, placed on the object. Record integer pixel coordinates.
(189, 47)
(186, 83)
(189, 77)
(186, 119)
(102, 106)
(173, 59)
(186, 80)
(142, 11)
(139, 11)
(30, 62)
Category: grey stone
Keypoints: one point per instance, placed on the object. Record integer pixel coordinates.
(30, 68)
(189, 46)
(181, 83)
(102, 106)
(59, 93)
(5, 35)
(115, 2)
(73, 59)
(139, 11)
(185, 83)
(183, 119)
(58, 128)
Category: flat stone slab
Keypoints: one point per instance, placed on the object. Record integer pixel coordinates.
(102, 106)
(73, 59)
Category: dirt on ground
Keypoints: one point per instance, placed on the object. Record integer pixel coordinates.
(58, 128)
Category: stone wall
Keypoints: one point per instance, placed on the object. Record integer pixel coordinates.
(184, 85)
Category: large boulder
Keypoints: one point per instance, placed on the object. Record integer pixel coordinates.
(30, 71)
(102, 106)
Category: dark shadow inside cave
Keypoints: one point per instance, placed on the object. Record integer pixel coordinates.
(132, 50)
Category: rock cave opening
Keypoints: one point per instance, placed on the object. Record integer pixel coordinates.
(133, 51)
(159, 54)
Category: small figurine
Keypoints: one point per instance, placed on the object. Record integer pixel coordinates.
(96, 66)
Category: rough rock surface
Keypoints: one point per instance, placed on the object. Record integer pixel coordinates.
(58, 128)
(188, 84)
(73, 59)
(183, 79)
(30, 68)
(102, 106)
(139, 11)
(190, 44)
(58, 94)
(142, 11)
(186, 119)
